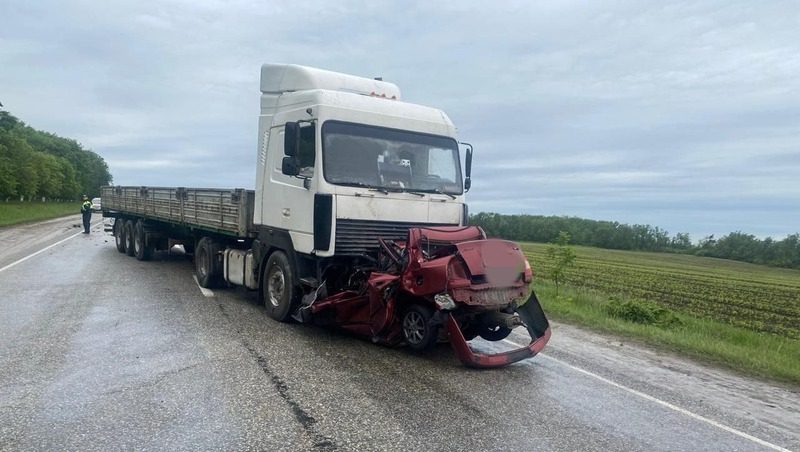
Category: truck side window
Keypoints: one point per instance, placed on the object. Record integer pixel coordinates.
(306, 152)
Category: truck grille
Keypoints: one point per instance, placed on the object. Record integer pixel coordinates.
(357, 237)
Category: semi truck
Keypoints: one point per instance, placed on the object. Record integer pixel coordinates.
(357, 220)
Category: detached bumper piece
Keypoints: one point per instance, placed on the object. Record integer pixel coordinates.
(536, 323)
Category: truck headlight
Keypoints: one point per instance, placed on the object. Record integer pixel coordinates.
(444, 301)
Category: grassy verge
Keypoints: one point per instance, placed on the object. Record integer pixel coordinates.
(24, 212)
(754, 353)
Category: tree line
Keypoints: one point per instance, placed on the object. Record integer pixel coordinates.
(613, 235)
(41, 165)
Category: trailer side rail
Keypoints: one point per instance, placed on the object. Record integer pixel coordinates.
(225, 211)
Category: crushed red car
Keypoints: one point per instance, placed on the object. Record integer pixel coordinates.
(442, 283)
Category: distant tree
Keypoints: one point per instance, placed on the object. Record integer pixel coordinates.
(613, 235)
(681, 241)
(8, 180)
(562, 256)
(37, 164)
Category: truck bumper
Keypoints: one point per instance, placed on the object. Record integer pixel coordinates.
(535, 322)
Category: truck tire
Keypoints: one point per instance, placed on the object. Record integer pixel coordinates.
(128, 237)
(119, 234)
(141, 249)
(418, 332)
(278, 287)
(207, 263)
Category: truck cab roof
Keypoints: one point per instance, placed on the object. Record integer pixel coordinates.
(287, 87)
(282, 78)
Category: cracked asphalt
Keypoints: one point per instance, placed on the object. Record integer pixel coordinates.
(99, 351)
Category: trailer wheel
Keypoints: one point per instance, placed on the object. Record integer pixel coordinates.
(119, 234)
(141, 249)
(206, 263)
(494, 333)
(279, 290)
(128, 237)
(417, 329)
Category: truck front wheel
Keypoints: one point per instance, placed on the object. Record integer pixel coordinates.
(279, 290)
(206, 263)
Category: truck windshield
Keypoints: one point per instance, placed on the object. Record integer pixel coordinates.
(395, 160)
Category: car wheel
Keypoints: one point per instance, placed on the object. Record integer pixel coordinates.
(207, 263)
(494, 333)
(417, 330)
(279, 288)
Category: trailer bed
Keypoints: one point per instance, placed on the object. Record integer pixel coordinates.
(223, 211)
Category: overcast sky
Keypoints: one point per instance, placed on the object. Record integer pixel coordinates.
(683, 115)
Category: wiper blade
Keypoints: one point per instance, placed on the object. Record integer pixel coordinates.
(439, 191)
(379, 190)
(353, 184)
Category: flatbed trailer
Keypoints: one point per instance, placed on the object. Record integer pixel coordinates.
(227, 212)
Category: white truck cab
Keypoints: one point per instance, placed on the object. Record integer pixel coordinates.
(342, 161)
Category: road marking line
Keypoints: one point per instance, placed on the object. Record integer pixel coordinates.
(206, 292)
(661, 402)
(39, 252)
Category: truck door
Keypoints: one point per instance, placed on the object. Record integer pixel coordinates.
(291, 203)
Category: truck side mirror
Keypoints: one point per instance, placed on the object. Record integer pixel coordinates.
(289, 166)
(468, 168)
(291, 139)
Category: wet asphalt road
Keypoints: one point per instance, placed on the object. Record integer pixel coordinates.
(99, 351)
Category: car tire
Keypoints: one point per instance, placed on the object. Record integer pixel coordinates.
(494, 333)
(418, 332)
(279, 290)
(207, 263)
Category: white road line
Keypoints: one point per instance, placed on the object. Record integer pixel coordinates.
(39, 252)
(661, 402)
(206, 292)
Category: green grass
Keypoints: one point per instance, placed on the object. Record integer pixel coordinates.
(754, 297)
(602, 279)
(12, 213)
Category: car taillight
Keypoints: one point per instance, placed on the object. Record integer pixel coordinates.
(528, 272)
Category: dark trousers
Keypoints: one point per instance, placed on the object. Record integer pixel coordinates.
(87, 218)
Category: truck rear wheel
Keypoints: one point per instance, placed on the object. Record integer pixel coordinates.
(206, 263)
(417, 329)
(119, 234)
(141, 249)
(128, 237)
(279, 290)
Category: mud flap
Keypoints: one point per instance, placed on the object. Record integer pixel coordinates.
(533, 317)
(536, 323)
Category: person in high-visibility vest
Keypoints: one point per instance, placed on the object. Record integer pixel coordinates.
(86, 211)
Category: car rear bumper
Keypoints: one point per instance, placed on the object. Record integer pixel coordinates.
(535, 322)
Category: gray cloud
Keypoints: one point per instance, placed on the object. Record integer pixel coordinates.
(683, 115)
